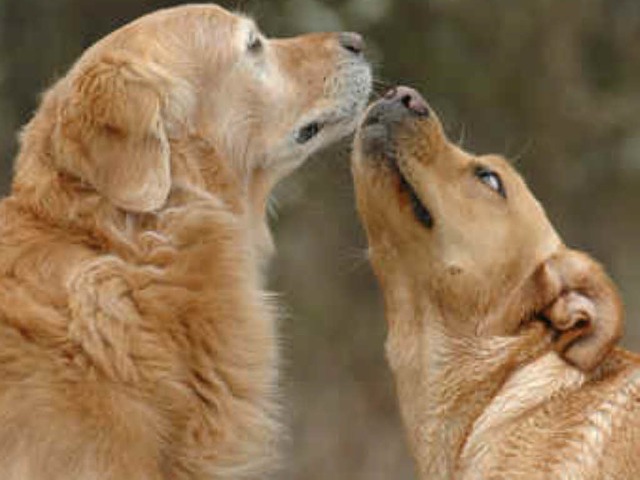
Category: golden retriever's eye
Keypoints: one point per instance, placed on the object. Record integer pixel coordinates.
(491, 179)
(255, 43)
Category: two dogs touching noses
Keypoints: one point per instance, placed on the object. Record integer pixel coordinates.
(137, 341)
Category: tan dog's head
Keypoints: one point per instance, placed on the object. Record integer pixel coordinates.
(459, 238)
(198, 72)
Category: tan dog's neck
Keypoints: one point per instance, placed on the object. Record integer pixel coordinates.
(444, 382)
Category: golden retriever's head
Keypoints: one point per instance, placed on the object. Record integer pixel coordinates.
(198, 73)
(461, 238)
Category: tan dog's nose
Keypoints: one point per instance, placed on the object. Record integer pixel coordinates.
(410, 98)
(352, 42)
(397, 104)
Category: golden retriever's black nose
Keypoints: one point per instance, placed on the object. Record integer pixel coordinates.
(410, 98)
(352, 42)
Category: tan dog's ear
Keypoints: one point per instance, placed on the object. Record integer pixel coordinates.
(112, 133)
(583, 306)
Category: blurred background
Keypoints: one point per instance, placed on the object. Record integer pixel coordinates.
(554, 85)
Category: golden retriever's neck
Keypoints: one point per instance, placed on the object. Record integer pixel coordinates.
(444, 382)
(50, 199)
(195, 162)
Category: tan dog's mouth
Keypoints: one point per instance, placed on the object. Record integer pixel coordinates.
(398, 108)
(421, 213)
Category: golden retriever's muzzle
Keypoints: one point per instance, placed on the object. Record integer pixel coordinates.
(386, 120)
(357, 70)
(351, 84)
(332, 80)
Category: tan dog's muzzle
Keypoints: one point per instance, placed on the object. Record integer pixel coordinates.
(399, 105)
(400, 111)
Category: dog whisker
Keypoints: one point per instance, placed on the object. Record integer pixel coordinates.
(461, 136)
(524, 150)
(358, 258)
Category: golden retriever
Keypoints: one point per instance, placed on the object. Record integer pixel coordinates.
(500, 338)
(136, 341)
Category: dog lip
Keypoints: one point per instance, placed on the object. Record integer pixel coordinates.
(308, 132)
(375, 114)
(377, 143)
(327, 120)
(421, 213)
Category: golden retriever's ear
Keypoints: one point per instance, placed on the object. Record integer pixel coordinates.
(583, 306)
(112, 134)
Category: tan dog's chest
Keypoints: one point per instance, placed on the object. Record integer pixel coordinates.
(551, 421)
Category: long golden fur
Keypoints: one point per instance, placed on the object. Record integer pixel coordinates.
(136, 341)
(501, 339)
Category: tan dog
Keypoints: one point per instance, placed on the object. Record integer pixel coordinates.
(136, 341)
(500, 338)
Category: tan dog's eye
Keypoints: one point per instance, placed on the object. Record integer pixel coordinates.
(491, 179)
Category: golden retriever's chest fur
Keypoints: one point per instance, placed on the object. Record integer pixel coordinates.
(182, 341)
